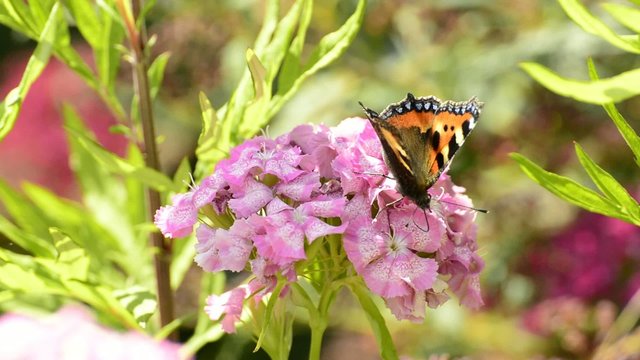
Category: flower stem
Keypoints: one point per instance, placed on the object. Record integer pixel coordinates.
(162, 256)
(317, 332)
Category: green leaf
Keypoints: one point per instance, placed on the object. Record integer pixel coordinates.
(210, 141)
(182, 177)
(626, 15)
(609, 186)
(23, 212)
(292, 66)
(627, 132)
(581, 16)
(184, 252)
(569, 190)
(13, 101)
(379, 327)
(27, 240)
(156, 73)
(84, 14)
(268, 314)
(330, 48)
(138, 301)
(613, 89)
(118, 165)
(107, 58)
(19, 15)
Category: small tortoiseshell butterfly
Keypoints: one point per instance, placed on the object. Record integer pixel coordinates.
(419, 137)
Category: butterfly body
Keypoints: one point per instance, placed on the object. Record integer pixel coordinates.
(419, 138)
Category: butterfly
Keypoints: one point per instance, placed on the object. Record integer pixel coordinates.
(420, 137)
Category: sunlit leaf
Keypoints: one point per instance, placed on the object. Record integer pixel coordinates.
(86, 19)
(591, 24)
(613, 89)
(210, 141)
(156, 73)
(609, 186)
(184, 251)
(626, 15)
(140, 302)
(13, 101)
(627, 132)
(28, 241)
(330, 48)
(570, 190)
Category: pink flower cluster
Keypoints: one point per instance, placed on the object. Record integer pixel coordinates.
(286, 193)
(71, 333)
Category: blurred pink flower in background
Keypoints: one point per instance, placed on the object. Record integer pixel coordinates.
(72, 333)
(36, 149)
(595, 258)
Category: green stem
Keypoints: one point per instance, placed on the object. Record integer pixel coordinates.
(162, 256)
(318, 326)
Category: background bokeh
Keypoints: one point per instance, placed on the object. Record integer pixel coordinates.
(555, 278)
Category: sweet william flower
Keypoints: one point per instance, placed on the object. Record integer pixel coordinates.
(320, 188)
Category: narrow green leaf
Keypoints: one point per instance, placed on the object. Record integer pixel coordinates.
(625, 15)
(24, 213)
(139, 302)
(40, 11)
(19, 13)
(330, 48)
(182, 177)
(107, 58)
(613, 89)
(37, 62)
(268, 314)
(609, 186)
(184, 252)
(84, 14)
(210, 141)
(258, 74)
(569, 190)
(27, 240)
(627, 132)
(118, 165)
(581, 16)
(292, 66)
(379, 327)
(156, 73)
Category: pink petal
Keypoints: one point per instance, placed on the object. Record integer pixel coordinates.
(381, 279)
(229, 305)
(315, 228)
(300, 188)
(408, 307)
(177, 220)
(253, 197)
(324, 208)
(363, 243)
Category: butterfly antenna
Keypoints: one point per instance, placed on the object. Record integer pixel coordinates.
(426, 219)
(484, 211)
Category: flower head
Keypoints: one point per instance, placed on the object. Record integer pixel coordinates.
(317, 185)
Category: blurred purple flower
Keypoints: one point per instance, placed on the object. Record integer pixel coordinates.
(72, 333)
(281, 195)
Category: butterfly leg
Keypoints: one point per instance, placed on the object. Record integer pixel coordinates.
(370, 173)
